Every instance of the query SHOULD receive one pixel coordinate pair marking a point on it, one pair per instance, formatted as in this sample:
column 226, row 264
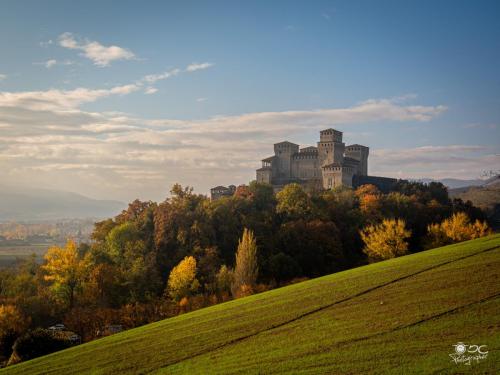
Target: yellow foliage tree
column 64, row 268
column 457, row 228
column 12, row 320
column 246, row 270
column 386, row 240
column 182, row 280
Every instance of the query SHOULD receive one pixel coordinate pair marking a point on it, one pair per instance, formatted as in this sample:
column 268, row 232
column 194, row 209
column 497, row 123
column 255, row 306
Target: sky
column 120, row 100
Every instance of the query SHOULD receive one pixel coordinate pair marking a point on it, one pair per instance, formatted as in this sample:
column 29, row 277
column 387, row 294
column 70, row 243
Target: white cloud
column 47, row 138
column 3, row 76
column 199, row 100
column 47, row 43
column 101, row 55
column 53, row 62
column 50, row 63
column 195, row 66
column 150, row 90
column 458, row 161
column 60, row 100
column 152, row 78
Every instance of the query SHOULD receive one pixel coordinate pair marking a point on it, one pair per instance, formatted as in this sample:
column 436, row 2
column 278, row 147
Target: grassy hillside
column 397, row 316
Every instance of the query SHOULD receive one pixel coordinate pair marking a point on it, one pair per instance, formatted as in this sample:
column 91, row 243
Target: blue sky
column 122, row 99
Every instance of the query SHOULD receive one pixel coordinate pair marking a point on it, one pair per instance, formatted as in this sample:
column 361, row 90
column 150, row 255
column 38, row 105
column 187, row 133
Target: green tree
column 182, row 281
column 224, row 280
column 294, row 202
column 386, row 240
column 246, row 269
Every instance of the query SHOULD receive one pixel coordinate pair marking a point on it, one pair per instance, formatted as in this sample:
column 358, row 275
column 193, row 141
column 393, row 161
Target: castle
column 328, row 165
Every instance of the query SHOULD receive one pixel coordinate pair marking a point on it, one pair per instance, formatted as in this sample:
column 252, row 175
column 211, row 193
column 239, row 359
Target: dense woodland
column 156, row 260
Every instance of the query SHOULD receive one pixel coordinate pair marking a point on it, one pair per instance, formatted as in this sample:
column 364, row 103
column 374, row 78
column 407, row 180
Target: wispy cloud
column 101, row 55
column 196, row 66
column 152, row 78
column 3, row 76
column 199, row 100
column 459, row 161
column 50, row 63
column 47, row 43
column 47, row 132
column 150, row 90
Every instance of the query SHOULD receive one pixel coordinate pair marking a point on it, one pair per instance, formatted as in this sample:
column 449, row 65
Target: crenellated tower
column 330, row 147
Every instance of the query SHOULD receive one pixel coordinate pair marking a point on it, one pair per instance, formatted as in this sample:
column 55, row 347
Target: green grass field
column 401, row 316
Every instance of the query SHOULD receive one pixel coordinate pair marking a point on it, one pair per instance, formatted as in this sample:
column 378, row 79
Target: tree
column 386, row 240
column 246, row 269
column 12, row 324
column 182, row 281
column 224, row 280
column 293, row 201
column 314, row 245
column 65, row 270
column 457, row 228
column 370, row 201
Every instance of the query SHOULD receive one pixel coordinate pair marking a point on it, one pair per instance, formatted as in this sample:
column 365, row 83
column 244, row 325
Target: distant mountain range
column 41, row 204
column 454, row 183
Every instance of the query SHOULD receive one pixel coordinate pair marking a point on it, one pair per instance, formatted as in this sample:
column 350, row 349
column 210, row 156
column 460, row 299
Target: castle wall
column 359, row 153
column 264, row 175
column 305, row 166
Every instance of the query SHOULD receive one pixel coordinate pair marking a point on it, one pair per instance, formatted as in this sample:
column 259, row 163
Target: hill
column 486, row 197
column 454, row 183
column 398, row 316
column 42, row 204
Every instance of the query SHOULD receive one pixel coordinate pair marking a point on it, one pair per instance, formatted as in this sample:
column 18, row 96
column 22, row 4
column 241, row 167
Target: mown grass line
column 346, row 299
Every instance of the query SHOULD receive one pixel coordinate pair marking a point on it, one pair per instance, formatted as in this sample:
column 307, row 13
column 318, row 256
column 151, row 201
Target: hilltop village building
column 327, row 165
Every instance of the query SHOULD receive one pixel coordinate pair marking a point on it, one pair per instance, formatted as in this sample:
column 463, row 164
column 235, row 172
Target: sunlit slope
column 397, row 316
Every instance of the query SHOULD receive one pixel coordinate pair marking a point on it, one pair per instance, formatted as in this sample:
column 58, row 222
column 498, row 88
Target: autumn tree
column 246, row 269
column 370, row 202
column 224, row 280
column 12, row 324
column 293, row 201
column 386, row 240
column 65, row 270
column 182, row 281
column 457, row 228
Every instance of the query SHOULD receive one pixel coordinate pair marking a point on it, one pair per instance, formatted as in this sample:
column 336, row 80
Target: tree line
column 156, row 260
